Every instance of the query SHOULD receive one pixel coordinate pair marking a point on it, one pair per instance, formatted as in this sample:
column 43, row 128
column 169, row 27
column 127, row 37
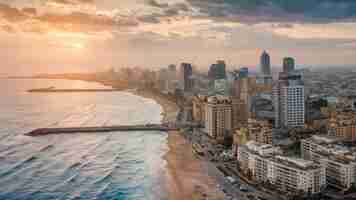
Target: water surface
column 118, row 165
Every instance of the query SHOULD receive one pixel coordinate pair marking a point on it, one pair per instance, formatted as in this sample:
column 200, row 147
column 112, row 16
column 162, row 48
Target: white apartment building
column 338, row 160
column 264, row 163
column 291, row 174
column 218, row 116
column 288, row 97
column 289, row 101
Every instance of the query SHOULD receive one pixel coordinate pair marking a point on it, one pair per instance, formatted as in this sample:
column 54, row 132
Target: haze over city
column 51, row 36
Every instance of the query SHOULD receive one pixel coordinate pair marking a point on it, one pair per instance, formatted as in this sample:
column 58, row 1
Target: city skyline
column 90, row 35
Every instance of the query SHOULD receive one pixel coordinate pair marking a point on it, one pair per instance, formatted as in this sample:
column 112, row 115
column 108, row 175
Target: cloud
column 71, row 2
column 29, row 20
column 255, row 11
column 11, row 14
column 155, row 3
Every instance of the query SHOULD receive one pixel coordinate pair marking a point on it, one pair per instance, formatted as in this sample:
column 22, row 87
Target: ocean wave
column 46, row 148
column 18, row 166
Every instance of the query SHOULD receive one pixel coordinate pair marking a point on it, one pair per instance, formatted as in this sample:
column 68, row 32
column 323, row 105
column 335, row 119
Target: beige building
column 338, row 160
column 260, row 131
column 343, row 125
column 239, row 113
column 218, row 116
column 199, row 102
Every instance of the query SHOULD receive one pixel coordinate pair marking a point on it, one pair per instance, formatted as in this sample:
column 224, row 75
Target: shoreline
column 186, row 176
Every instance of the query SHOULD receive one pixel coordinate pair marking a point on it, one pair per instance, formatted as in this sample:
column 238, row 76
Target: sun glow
column 78, row 46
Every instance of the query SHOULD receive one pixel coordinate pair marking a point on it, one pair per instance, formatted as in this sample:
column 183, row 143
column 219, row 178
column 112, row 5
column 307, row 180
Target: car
column 261, row 198
column 231, row 180
column 243, row 188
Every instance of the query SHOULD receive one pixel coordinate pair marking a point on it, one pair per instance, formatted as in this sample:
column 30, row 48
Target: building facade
column 288, row 101
column 343, row 125
column 338, row 160
column 199, row 108
column 265, row 164
column 218, row 117
column 265, row 64
column 186, row 77
column 260, row 131
column 288, row 64
column 239, row 113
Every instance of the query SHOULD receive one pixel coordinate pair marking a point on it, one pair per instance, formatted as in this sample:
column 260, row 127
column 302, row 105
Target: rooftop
column 296, row 163
column 335, row 149
column 325, row 139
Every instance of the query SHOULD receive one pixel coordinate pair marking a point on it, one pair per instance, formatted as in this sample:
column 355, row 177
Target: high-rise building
column 265, row 65
column 265, row 75
column 199, row 102
column 239, row 113
column 163, row 81
column 243, row 72
column 220, row 70
column 218, row 113
column 288, row 101
column 185, row 76
column 288, row 64
column 172, row 78
column 217, row 71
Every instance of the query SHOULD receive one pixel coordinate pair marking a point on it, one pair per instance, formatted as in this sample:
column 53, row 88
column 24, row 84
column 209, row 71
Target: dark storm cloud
column 279, row 10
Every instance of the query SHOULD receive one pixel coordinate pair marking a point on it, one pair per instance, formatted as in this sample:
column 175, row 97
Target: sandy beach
column 186, row 176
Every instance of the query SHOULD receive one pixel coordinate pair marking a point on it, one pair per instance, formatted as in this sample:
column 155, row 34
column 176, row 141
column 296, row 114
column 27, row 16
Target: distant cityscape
column 289, row 135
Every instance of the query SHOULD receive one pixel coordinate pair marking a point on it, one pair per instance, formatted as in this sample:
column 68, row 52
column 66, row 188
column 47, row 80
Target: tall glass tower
column 265, row 65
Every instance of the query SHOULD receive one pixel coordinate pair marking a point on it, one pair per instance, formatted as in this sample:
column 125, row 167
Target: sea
column 100, row 166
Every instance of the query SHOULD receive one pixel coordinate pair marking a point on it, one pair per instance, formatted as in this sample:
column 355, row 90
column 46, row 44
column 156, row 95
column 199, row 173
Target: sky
column 52, row 36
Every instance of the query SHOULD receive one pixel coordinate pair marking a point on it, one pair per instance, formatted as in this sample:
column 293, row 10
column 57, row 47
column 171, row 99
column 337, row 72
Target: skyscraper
column 220, row 70
column 288, row 64
column 172, row 78
column 265, row 76
column 288, row 100
column 185, row 76
column 217, row 71
column 243, row 72
column 265, row 65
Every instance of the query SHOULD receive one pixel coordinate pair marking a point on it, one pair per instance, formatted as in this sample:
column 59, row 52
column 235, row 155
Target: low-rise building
column 338, row 159
column 264, row 163
column 343, row 125
column 260, row 131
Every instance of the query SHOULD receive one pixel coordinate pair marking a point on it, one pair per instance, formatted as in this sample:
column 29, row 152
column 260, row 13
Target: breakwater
column 46, row 90
column 72, row 130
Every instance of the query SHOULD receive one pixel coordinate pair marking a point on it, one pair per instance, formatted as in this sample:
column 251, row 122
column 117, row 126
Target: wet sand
column 186, row 176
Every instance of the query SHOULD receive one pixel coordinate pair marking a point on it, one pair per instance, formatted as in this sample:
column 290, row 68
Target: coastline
column 186, row 176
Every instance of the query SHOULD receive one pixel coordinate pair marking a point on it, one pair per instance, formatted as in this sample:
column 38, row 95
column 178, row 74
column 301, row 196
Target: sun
column 78, row 46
